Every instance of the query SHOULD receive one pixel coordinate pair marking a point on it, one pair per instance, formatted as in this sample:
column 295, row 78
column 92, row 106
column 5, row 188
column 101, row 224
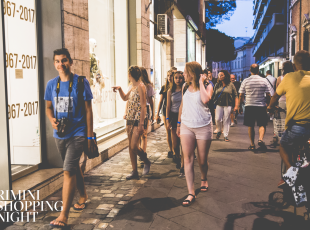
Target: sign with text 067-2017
column 22, row 80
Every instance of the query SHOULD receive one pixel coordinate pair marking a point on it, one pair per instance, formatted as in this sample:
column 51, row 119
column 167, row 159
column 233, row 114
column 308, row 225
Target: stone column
column 143, row 34
column 76, row 34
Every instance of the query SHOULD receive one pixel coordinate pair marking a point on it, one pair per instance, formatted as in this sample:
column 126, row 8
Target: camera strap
column 58, row 90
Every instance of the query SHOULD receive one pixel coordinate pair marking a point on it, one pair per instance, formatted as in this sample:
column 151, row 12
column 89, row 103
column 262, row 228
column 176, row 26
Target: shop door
column 22, row 81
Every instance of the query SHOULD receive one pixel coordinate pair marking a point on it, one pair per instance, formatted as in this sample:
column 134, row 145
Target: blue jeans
column 296, row 135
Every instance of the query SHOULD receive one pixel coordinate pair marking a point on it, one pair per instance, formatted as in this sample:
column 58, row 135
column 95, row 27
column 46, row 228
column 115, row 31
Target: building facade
column 104, row 38
column 299, row 26
column 271, row 34
column 240, row 67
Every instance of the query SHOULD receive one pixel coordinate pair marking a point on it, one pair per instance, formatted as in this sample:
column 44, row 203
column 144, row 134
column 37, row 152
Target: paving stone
column 83, row 227
column 102, row 225
column 105, row 206
column 101, row 211
column 91, row 221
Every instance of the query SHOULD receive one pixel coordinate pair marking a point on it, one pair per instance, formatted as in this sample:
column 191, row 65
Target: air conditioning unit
column 163, row 26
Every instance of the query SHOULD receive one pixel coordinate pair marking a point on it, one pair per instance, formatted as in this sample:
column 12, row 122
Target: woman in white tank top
column 195, row 126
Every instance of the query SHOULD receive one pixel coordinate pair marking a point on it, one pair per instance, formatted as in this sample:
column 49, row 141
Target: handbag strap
column 220, row 94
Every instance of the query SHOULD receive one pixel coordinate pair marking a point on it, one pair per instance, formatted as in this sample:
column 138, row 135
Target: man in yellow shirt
column 296, row 87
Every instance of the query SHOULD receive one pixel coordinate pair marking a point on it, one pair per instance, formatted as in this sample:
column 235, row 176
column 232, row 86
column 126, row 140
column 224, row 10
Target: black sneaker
column 170, row 154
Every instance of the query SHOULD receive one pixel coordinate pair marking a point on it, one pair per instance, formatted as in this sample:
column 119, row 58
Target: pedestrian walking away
column 224, row 97
column 234, row 114
column 70, row 114
column 174, row 98
column 195, row 127
column 149, row 106
column 162, row 106
column 255, row 88
column 135, row 119
column 296, row 87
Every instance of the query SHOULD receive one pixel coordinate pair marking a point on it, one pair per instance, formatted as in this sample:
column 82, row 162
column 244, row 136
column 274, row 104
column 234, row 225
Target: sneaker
column 133, row 175
column 215, row 131
column 146, row 169
column 170, row 154
column 232, row 125
column 281, row 183
column 235, row 120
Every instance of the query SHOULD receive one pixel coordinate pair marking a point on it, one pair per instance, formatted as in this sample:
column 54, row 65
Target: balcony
column 259, row 9
column 277, row 21
column 263, row 20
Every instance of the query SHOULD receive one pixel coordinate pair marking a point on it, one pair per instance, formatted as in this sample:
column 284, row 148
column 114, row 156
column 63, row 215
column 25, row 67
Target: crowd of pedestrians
column 190, row 102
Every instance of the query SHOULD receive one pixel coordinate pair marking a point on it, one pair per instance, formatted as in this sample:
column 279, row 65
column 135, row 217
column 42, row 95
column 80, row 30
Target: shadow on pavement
column 150, row 206
column 265, row 213
column 241, row 150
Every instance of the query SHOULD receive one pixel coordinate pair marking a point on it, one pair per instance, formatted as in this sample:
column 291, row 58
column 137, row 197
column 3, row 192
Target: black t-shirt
column 237, row 85
column 163, row 111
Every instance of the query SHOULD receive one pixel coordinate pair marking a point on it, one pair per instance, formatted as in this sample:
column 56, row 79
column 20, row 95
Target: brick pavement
column 240, row 186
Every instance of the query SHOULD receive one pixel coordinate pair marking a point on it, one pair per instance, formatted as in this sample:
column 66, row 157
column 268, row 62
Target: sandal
column 218, row 135
column 189, row 202
column 59, row 226
column 204, row 188
column 79, row 209
column 251, row 147
column 226, row 139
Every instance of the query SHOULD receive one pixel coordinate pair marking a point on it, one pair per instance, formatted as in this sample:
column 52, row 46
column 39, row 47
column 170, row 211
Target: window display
column 106, row 65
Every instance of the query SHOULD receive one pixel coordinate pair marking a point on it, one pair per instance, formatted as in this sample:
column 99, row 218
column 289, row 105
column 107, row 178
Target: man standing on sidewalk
column 72, row 120
column 233, row 115
column 255, row 88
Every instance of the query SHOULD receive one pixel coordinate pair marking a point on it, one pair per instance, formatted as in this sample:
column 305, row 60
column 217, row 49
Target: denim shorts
column 295, row 136
column 71, row 150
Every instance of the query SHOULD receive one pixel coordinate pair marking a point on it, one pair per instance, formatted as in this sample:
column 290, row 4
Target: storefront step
column 47, row 181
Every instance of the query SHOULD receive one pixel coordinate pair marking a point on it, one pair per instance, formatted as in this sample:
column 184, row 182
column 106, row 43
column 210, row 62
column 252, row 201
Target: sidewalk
column 240, row 185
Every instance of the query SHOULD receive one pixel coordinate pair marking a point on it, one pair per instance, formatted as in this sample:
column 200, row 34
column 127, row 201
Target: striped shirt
column 254, row 88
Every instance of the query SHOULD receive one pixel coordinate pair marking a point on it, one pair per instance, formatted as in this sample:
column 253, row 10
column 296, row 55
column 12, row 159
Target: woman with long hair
column 224, row 96
column 174, row 98
column 149, row 105
column 135, row 116
column 163, row 104
column 195, row 127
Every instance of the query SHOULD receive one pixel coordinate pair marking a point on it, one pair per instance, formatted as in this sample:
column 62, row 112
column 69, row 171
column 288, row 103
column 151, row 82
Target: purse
column 95, row 152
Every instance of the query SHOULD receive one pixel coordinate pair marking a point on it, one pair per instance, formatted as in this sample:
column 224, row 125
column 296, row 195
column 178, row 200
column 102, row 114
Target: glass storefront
column 22, row 82
column 106, row 22
column 191, row 43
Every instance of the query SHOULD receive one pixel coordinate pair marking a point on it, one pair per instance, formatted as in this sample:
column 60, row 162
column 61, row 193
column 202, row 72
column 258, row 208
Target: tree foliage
column 219, row 46
column 217, row 11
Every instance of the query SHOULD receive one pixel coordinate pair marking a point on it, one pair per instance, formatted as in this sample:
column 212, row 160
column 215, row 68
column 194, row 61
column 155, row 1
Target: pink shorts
column 201, row 133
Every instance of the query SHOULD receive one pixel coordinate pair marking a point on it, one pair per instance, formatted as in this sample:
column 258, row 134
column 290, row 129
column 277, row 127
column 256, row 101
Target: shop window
column 108, row 62
column 22, row 83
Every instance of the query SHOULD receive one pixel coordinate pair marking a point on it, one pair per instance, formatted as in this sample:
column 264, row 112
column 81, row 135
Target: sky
column 242, row 17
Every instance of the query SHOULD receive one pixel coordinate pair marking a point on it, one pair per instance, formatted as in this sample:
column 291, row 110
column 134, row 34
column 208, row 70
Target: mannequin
column 96, row 82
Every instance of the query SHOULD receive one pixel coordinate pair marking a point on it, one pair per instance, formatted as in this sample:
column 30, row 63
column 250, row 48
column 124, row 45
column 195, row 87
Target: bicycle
column 299, row 156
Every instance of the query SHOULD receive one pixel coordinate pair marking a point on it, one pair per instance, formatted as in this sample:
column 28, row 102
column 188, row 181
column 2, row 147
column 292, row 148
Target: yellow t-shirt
column 296, row 86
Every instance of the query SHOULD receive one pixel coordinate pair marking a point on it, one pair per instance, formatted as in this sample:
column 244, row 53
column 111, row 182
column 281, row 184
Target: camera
column 62, row 126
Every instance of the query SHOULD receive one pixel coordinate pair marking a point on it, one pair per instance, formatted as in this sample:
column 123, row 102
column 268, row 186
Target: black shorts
column 255, row 113
column 136, row 123
column 173, row 119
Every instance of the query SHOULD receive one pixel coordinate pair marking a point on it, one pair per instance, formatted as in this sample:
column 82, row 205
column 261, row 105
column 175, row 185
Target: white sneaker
column 232, row 125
